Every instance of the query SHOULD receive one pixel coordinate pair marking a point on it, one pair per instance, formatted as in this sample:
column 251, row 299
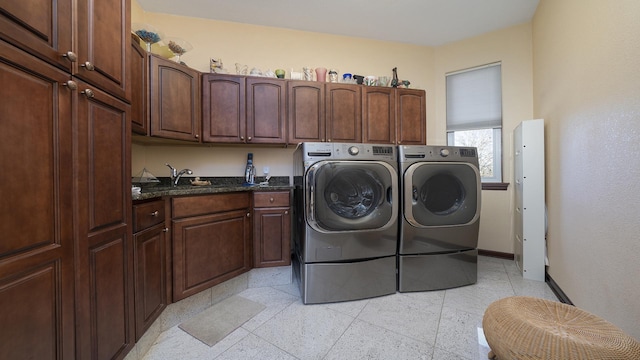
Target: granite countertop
column 218, row 185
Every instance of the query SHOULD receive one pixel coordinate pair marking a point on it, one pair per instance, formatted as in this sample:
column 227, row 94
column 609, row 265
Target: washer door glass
column 351, row 195
column 441, row 194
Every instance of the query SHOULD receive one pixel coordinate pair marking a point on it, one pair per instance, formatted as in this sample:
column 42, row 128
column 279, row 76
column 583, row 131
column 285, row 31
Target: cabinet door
column 41, row 27
column 266, row 119
column 223, row 108
column 306, row 111
column 174, row 100
column 343, row 113
column 102, row 176
column 271, row 237
column 150, row 271
column 103, row 48
column 411, row 117
column 208, row 250
column 139, row 65
column 378, row 115
column 36, row 250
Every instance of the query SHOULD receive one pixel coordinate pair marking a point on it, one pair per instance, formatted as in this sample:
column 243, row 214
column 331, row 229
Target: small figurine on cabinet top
column 394, row 81
column 216, row 66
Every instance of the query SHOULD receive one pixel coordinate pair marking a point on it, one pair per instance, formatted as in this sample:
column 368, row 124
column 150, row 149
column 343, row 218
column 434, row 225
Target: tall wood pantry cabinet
column 65, row 251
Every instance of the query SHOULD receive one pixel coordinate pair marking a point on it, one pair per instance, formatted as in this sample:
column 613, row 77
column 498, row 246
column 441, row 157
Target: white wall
column 587, row 88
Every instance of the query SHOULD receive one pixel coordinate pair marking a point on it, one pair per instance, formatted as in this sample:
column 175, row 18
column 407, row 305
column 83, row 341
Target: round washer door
column 441, row 194
column 351, row 196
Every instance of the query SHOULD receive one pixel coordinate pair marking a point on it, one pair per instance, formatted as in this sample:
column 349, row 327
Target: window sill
column 495, row 186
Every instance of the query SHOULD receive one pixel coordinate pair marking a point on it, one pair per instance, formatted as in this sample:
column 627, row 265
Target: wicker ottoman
column 529, row 328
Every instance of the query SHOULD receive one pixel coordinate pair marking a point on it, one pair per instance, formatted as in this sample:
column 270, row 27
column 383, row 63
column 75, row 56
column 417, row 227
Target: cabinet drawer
column 208, row 204
column 270, row 199
column 148, row 214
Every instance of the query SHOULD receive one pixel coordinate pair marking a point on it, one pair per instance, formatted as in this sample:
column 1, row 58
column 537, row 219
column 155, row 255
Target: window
column 474, row 116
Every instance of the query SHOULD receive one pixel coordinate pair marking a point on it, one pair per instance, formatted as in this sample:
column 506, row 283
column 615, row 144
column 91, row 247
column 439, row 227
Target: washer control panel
column 353, row 150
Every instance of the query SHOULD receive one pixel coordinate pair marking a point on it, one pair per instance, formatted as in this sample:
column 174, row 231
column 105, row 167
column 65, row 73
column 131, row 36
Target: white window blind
column 474, row 98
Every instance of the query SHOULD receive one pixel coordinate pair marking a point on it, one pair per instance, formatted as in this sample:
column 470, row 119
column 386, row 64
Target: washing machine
column 346, row 221
column 440, row 217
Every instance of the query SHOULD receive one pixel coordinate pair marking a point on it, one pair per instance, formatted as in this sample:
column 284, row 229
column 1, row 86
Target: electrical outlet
column 265, row 170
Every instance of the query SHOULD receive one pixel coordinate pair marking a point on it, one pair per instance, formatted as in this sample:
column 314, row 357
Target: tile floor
column 442, row 325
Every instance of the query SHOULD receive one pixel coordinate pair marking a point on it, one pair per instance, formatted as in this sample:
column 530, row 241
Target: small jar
column 333, row 76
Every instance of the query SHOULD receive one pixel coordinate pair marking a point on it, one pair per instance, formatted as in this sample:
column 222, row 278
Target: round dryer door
column 441, row 194
column 351, row 195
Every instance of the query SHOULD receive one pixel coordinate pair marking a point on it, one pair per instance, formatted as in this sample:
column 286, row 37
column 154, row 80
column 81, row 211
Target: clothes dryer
column 346, row 211
column 440, row 195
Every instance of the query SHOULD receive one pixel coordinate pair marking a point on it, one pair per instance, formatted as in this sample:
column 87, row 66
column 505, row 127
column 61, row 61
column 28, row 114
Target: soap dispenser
column 250, row 171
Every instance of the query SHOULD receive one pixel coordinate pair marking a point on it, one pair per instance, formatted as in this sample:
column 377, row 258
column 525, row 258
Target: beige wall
column 512, row 47
column 271, row 48
column 425, row 67
column 587, row 88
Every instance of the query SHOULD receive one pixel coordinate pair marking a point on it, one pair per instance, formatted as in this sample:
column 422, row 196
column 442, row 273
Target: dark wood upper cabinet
column 378, row 115
column 243, row 110
column 324, row 112
column 41, row 27
column 175, row 107
column 139, row 66
column 343, row 114
column 94, row 47
column 266, row 111
column 411, row 117
column 305, row 111
column 103, row 32
column 223, row 108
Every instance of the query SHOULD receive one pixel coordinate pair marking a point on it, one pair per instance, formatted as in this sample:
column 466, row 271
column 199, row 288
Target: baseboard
column 557, row 290
column 496, row 254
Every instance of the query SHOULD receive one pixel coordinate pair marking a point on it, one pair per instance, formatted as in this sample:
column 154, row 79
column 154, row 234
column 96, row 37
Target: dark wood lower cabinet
column 211, row 236
column 150, row 272
column 149, row 261
column 271, row 229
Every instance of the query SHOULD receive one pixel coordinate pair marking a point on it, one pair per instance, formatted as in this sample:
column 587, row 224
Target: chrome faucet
column 175, row 174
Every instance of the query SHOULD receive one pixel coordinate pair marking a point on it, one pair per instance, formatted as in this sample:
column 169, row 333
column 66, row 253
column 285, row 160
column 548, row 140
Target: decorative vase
column 308, row 73
column 178, row 47
column 147, row 33
column 321, row 74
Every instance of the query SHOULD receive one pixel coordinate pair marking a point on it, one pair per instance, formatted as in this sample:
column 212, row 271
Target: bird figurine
column 394, row 81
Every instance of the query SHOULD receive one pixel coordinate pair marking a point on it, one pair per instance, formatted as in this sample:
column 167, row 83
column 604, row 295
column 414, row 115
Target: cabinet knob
column 241, row 137
column 270, row 199
column 89, row 66
column 249, row 138
column 71, row 56
column 70, row 84
column 155, row 213
column 165, row 230
column 286, row 212
column 248, row 214
column 197, row 136
column 88, row 93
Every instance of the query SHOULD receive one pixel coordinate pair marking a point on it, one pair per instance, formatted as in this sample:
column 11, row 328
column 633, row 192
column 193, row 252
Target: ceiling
column 419, row 22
